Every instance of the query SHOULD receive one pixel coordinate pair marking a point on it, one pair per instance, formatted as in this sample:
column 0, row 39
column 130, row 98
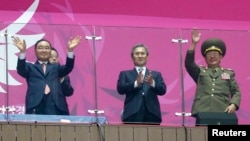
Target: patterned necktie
column 47, row 89
column 140, row 72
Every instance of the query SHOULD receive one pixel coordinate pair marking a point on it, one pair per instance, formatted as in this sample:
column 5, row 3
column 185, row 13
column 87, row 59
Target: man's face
column 140, row 56
column 43, row 50
column 213, row 58
column 53, row 57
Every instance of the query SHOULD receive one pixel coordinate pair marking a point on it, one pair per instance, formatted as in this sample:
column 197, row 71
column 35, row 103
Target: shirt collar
column 41, row 62
column 137, row 68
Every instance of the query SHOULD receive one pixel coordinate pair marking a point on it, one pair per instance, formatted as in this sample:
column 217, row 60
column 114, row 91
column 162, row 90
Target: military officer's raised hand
column 196, row 35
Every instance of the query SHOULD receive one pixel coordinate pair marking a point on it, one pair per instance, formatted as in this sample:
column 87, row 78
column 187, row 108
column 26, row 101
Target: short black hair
column 52, row 48
column 37, row 42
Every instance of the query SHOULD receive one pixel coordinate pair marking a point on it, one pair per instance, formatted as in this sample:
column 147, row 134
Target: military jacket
column 216, row 88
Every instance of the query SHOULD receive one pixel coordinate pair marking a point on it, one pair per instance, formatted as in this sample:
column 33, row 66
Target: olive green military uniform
column 216, row 88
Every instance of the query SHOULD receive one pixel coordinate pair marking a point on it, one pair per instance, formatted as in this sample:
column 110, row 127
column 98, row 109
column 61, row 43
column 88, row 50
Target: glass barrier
column 103, row 53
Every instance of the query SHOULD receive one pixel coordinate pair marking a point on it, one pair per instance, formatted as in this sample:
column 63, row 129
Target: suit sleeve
column 21, row 68
column 67, row 68
column 160, row 86
column 124, row 84
column 67, row 88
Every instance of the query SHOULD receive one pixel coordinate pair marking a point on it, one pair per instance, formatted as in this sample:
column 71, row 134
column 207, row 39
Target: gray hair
column 139, row 45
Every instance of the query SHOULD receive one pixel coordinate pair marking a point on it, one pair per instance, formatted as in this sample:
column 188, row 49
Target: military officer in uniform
column 217, row 90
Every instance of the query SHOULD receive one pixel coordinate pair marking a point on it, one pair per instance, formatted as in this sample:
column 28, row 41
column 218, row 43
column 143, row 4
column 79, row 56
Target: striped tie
column 140, row 72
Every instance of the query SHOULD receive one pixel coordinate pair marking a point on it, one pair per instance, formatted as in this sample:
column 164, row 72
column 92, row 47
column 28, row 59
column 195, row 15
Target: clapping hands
column 149, row 78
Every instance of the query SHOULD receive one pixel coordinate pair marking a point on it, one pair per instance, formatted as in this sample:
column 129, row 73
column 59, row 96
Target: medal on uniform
column 225, row 76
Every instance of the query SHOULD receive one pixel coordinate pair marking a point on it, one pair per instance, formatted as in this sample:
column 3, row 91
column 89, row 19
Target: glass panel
column 99, row 62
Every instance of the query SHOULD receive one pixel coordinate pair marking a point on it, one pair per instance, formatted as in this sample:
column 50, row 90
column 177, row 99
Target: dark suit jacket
column 36, row 81
column 67, row 88
column 133, row 100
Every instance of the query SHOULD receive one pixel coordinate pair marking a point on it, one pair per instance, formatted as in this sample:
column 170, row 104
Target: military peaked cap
column 214, row 44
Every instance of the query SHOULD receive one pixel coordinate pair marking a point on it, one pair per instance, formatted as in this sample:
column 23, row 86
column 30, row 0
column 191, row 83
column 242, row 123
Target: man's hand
column 231, row 108
column 195, row 36
column 149, row 78
column 20, row 44
column 73, row 42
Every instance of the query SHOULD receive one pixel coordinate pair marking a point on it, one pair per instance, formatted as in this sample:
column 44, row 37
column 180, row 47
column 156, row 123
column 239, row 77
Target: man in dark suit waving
column 67, row 88
column 142, row 88
column 44, row 94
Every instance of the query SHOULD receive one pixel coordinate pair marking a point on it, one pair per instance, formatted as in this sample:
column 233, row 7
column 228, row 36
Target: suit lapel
column 39, row 67
column 134, row 73
column 49, row 67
